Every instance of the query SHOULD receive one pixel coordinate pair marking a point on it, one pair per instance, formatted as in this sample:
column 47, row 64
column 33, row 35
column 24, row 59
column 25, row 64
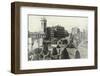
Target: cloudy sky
column 34, row 22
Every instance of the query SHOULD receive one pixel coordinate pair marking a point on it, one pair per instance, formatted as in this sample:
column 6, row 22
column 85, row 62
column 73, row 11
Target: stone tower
column 43, row 24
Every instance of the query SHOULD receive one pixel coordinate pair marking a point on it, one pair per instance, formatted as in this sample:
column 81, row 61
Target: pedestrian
column 77, row 54
column 65, row 54
column 54, row 53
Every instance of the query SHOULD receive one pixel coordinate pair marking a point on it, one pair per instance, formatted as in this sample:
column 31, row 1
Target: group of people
column 46, row 54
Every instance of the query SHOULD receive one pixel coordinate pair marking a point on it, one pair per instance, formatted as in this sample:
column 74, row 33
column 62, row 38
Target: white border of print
column 25, row 64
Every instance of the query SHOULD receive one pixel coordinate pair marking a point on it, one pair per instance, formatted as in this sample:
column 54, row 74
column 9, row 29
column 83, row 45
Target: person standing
column 77, row 54
column 65, row 54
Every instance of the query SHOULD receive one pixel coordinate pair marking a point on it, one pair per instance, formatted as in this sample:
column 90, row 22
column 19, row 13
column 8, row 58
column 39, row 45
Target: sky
column 67, row 22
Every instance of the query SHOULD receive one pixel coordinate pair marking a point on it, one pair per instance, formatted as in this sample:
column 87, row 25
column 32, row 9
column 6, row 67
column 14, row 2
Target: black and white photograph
column 52, row 37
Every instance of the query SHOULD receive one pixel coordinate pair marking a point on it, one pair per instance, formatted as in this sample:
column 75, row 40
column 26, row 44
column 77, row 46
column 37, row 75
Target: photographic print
column 52, row 37
column 57, row 37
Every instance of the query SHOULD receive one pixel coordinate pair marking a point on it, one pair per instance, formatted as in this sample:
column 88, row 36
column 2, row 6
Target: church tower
column 43, row 24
